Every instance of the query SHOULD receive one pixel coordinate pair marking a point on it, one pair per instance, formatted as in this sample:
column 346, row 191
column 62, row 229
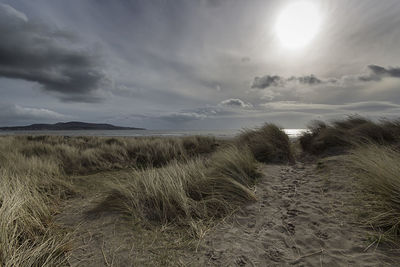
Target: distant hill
column 64, row 126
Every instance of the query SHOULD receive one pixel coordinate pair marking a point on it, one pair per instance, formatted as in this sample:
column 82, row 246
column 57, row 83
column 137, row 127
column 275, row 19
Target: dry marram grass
column 170, row 182
column 378, row 171
column 345, row 134
column 185, row 192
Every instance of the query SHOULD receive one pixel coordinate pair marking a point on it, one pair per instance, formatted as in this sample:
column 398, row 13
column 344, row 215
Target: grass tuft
column 378, row 171
column 29, row 187
column 185, row 192
column 269, row 144
column 341, row 135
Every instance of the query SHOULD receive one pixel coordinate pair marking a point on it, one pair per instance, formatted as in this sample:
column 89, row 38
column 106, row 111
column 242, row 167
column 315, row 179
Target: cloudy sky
column 200, row 64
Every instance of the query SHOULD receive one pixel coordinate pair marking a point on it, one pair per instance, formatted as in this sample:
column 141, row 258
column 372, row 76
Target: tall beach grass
column 341, row 135
column 82, row 155
column 29, row 187
column 184, row 181
column 377, row 169
column 184, row 192
column 269, row 144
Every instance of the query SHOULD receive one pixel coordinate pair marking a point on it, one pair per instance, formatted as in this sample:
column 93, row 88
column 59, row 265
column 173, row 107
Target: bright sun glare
column 298, row 24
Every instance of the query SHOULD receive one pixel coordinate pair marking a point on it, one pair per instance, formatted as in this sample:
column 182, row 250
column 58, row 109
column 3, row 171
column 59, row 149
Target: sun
column 298, row 24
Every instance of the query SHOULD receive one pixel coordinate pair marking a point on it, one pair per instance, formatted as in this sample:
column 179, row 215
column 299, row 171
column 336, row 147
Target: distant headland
column 68, row 126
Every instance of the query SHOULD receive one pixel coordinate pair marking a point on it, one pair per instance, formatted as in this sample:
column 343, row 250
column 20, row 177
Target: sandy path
column 302, row 218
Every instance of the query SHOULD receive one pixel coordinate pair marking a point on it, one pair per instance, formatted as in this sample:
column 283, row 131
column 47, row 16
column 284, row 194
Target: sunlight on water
column 293, row 133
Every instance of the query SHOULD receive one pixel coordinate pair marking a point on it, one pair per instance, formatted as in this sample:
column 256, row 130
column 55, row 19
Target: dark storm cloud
column 35, row 52
column 376, row 73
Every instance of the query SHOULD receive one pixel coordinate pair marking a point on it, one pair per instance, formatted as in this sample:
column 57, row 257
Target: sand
column 303, row 217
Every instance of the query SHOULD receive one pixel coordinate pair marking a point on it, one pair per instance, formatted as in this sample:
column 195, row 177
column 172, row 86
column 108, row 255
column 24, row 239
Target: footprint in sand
column 241, row 260
column 274, row 255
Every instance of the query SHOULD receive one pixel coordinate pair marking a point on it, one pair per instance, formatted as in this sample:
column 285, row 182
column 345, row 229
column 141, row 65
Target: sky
column 199, row 64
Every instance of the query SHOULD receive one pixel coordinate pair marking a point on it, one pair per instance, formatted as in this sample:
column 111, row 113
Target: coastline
column 224, row 134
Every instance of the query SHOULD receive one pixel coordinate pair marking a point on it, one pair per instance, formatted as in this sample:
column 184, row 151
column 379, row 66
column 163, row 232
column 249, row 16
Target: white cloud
column 235, row 102
column 11, row 114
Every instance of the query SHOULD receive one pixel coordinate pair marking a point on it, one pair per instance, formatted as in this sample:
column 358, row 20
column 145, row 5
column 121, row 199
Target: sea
column 292, row 133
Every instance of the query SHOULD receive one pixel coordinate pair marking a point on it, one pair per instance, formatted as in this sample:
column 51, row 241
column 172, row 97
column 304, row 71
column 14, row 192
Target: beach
column 258, row 199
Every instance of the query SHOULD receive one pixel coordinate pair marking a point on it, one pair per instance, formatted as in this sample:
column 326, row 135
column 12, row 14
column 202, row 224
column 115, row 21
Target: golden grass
column 238, row 164
column 28, row 189
column 181, row 182
column 186, row 189
column 182, row 193
column 378, row 171
column 82, row 155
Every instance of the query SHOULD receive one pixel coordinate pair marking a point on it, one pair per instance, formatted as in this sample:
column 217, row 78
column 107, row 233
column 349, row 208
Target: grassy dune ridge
column 372, row 156
column 34, row 179
column 82, row 155
column 341, row 135
column 184, row 181
column 183, row 192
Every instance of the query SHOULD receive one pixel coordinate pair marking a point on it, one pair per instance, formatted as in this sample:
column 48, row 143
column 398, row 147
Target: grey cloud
column 276, row 81
column 11, row 114
column 372, row 106
column 187, row 115
column 174, row 118
column 287, row 110
column 183, row 116
column 368, row 106
column 35, row 52
column 376, row 73
column 197, row 114
column 174, row 55
column 267, row 81
column 361, row 87
column 310, row 79
column 234, row 102
column 290, row 114
column 213, row 3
